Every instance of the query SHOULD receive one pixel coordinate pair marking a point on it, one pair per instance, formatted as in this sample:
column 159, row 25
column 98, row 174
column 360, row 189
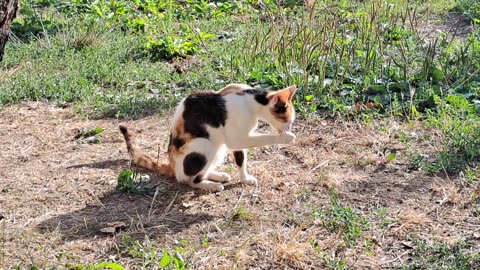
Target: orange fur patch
column 139, row 158
column 178, row 132
column 233, row 88
column 284, row 99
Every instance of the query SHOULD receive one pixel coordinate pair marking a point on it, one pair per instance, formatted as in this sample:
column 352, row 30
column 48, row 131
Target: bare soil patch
column 56, row 194
column 453, row 23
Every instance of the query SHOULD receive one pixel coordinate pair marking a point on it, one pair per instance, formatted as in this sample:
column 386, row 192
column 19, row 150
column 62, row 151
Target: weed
column 168, row 46
column 89, row 136
column 470, row 175
column 439, row 255
column 127, row 183
column 368, row 246
column 243, row 215
column 382, row 215
column 205, row 242
column 458, row 124
column 150, row 256
column 470, row 8
column 334, row 263
column 343, row 219
column 92, row 132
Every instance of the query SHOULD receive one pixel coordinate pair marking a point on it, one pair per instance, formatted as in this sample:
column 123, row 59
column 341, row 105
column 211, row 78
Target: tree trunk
column 8, row 11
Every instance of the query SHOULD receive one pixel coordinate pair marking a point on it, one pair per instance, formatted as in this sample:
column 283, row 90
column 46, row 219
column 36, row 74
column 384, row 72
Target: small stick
column 168, row 207
column 151, row 204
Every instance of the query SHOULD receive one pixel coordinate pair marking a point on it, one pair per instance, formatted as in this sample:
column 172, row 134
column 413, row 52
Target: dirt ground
column 56, row 193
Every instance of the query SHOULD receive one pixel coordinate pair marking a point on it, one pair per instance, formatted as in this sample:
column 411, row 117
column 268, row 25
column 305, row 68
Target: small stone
column 91, row 140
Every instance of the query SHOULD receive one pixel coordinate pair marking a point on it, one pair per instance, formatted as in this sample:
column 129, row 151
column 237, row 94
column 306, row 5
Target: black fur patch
column 123, row 129
column 260, row 95
column 279, row 107
column 239, row 157
column 204, row 108
column 178, row 142
column 193, row 163
column 198, row 179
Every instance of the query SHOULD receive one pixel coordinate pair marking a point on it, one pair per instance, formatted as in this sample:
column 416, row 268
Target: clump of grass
column 149, row 256
column 332, row 262
column 470, row 8
column 127, row 183
column 342, row 219
column 439, row 255
column 471, row 175
column 458, row 124
column 244, row 215
column 290, row 250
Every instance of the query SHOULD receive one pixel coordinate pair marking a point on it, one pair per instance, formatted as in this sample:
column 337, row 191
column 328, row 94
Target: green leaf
column 179, row 261
column 392, row 155
column 308, row 98
column 94, row 131
column 114, row 266
column 166, row 259
column 206, row 35
column 435, row 74
column 125, row 181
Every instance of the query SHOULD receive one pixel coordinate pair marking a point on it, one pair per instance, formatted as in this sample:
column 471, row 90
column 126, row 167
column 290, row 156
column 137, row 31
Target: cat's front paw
column 249, row 180
column 214, row 187
column 287, row 137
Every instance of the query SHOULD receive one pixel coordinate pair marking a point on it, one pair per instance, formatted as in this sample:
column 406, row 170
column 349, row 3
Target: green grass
column 459, row 124
column 111, row 58
column 439, row 255
column 143, row 254
column 147, row 255
column 342, row 219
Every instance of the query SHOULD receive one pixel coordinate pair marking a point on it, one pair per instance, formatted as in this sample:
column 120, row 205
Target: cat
column 207, row 124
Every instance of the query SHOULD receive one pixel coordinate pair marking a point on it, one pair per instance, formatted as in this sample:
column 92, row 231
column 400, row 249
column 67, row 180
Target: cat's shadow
column 163, row 210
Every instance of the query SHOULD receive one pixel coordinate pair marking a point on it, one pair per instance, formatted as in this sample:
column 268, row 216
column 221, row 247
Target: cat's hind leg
column 200, row 182
column 241, row 161
column 195, row 167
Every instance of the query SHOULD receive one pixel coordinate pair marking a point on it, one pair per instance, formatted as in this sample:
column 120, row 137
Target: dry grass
column 57, row 194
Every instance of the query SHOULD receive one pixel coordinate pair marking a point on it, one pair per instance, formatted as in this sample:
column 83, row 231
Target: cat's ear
column 284, row 95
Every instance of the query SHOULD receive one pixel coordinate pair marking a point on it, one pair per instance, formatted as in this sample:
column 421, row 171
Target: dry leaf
column 110, row 230
column 117, row 224
column 408, row 244
column 113, row 227
column 188, row 204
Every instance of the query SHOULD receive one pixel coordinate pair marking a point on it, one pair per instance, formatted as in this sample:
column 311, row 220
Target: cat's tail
column 139, row 158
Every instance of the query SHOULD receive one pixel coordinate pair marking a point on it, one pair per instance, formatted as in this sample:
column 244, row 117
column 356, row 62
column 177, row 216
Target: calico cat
column 207, row 124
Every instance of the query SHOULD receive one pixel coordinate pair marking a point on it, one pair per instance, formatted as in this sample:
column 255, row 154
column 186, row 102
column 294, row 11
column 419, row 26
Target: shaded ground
column 57, row 193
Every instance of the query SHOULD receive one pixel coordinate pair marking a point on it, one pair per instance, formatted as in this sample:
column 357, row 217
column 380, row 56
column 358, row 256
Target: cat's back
column 198, row 110
column 208, row 108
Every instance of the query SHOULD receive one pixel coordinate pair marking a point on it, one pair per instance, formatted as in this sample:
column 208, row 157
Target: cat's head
column 280, row 112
